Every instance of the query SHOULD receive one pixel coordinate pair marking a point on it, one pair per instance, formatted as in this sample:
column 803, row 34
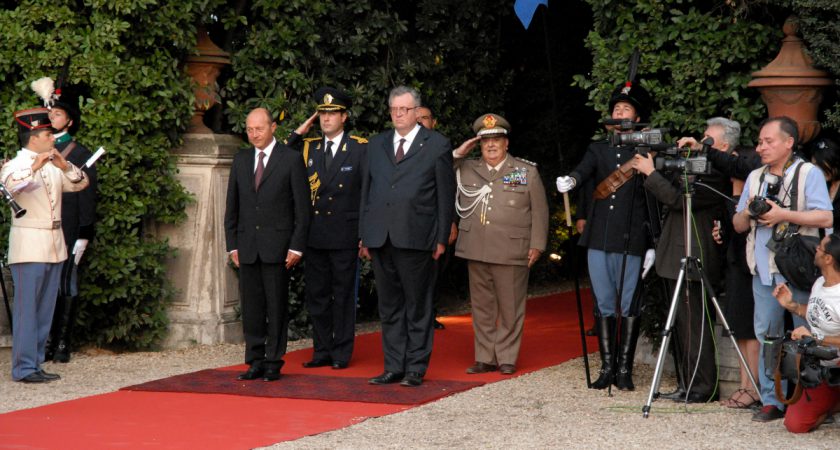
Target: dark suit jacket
column 268, row 222
column 78, row 209
column 335, row 193
column 412, row 202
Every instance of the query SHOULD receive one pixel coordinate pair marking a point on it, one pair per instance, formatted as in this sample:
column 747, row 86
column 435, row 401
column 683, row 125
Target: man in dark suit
column 78, row 214
column 334, row 165
column 408, row 192
column 266, row 221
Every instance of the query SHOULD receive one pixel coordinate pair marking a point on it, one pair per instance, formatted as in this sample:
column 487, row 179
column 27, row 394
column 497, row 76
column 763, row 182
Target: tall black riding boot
column 606, row 344
column 62, row 347
column 55, row 328
column 629, row 336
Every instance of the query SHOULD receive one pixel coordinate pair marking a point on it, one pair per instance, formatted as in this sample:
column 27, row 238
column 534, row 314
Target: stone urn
column 791, row 86
column 204, row 67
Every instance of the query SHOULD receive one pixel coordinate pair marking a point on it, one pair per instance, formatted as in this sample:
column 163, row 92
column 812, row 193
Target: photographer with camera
column 615, row 237
column 823, row 315
column 766, row 210
column 694, row 316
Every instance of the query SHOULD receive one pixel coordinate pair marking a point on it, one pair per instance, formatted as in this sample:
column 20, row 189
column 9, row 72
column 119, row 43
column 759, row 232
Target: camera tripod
column 692, row 263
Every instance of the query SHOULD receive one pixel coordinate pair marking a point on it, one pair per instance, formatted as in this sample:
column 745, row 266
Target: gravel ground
column 545, row 409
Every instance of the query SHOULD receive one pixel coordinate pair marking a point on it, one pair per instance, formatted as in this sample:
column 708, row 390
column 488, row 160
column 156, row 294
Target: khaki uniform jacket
column 37, row 236
column 516, row 215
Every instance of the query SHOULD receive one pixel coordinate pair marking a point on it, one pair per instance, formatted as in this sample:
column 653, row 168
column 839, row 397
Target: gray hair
column 731, row 130
column 402, row 90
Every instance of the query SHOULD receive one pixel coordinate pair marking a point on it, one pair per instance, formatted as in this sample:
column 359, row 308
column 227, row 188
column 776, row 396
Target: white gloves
column 650, row 258
column 565, row 184
column 79, row 249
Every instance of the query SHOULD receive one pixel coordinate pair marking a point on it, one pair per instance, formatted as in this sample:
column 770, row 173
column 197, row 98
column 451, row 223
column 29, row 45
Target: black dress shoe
column 34, row 377
column 271, row 375
column 251, row 374
column 438, row 325
column 412, row 379
column 338, row 365
column 386, row 378
column 317, row 363
column 701, row 397
column 677, row 396
column 50, row 376
column 507, row 369
column 480, row 367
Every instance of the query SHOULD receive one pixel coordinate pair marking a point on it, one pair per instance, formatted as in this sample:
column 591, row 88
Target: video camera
column 810, row 371
column 669, row 158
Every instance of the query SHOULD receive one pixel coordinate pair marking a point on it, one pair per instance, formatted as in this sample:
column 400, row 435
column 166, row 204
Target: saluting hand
column 305, row 126
column 465, row 148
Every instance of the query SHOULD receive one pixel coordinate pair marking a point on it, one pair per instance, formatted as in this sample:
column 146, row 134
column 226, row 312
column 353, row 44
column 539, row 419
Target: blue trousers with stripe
column 36, row 288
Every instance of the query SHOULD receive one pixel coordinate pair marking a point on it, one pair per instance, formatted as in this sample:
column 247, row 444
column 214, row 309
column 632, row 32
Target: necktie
column 492, row 172
column 328, row 156
column 260, row 168
column 400, row 151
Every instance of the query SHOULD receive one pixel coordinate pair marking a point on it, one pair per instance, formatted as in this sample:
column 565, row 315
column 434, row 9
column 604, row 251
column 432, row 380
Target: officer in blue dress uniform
column 334, row 165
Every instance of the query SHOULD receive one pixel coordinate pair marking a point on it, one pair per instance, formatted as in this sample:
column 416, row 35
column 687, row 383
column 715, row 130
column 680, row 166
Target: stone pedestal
column 206, row 307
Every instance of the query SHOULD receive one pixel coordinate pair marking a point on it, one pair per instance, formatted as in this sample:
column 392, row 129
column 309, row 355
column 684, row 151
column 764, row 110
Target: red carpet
column 133, row 419
column 312, row 387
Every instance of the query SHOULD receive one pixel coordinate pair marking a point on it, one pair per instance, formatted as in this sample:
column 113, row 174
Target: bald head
column 260, row 128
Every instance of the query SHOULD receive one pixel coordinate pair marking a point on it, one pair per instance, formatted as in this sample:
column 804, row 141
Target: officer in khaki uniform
column 503, row 231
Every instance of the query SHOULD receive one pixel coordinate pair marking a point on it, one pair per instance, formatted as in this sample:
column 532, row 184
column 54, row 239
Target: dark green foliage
column 127, row 54
column 696, row 59
column 284, row 50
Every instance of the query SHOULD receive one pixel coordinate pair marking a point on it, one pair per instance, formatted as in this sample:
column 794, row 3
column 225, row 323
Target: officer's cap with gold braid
column 331, row 99
column 33, row 119
column 489, row 125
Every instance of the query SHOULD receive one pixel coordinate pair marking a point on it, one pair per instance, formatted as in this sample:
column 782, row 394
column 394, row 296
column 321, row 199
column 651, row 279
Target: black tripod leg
column 576, row 258
column 708, row 284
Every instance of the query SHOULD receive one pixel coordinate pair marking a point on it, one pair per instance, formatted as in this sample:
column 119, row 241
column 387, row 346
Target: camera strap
column 777, row 380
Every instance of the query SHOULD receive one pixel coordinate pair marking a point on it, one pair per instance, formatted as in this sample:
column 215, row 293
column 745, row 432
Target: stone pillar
column 206, row 307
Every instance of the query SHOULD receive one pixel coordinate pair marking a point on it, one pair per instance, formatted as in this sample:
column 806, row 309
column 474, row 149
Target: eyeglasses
column 400, row 110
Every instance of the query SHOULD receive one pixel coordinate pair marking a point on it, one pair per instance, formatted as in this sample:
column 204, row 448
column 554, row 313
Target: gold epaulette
column 311, row 139
column 359, row 139
column 525, row 161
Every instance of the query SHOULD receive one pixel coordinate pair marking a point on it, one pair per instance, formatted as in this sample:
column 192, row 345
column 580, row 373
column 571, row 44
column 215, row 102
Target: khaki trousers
column 497, row 296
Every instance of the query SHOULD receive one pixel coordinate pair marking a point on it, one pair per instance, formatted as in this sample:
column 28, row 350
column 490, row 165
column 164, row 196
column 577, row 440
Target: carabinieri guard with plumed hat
column 36, row 177
column 78, row 212
column 615, row 235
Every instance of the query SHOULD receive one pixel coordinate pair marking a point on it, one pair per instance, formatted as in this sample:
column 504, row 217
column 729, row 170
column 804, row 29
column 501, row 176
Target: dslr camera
column 758, row 205
column 810, row 371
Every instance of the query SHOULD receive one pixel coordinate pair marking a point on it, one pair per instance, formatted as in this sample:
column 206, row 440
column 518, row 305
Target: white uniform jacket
column 37, row 236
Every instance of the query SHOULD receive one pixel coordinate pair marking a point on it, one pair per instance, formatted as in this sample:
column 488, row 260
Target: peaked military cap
column 491, row 125
column 33, row 119
column 331, row 99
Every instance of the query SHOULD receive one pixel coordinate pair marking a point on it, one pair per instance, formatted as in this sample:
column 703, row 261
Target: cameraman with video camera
column 823, row 315
column 768, row 194
column 694, row 317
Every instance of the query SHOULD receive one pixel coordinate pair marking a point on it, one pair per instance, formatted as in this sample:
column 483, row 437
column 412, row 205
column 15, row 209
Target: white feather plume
column 44, row 87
